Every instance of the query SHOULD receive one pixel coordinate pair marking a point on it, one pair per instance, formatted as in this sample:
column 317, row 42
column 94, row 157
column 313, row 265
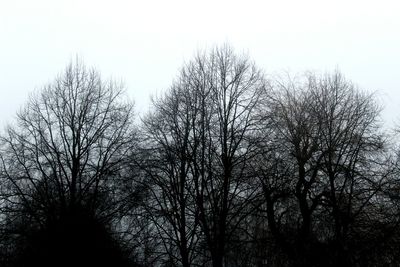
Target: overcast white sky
column 146, row 42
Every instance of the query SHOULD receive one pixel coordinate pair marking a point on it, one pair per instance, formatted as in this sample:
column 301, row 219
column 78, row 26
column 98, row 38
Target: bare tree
column 166, row 158
column 232, row 88
column 200, row 136
column 326, row 145
column 65, row 153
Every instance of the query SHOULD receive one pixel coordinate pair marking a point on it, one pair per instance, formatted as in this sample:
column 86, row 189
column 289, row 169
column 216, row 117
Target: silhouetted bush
column 76, row 238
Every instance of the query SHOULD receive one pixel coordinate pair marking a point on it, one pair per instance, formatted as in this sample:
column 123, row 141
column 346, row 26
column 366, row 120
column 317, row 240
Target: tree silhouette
column 200, row 133
column 226, row 169
column 328, row 156
column 61, row 163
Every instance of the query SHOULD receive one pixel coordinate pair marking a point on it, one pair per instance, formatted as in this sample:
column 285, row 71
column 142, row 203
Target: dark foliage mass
column 229, row 168
column 74, row 239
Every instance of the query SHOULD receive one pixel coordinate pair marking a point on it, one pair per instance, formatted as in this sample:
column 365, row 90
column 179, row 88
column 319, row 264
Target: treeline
column 228, row 168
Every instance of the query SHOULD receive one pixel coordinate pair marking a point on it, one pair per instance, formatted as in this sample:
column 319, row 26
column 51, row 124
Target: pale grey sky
column 144, row 43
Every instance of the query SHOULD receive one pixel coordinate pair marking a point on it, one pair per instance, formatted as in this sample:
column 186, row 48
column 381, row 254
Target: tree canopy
column 230, row 167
